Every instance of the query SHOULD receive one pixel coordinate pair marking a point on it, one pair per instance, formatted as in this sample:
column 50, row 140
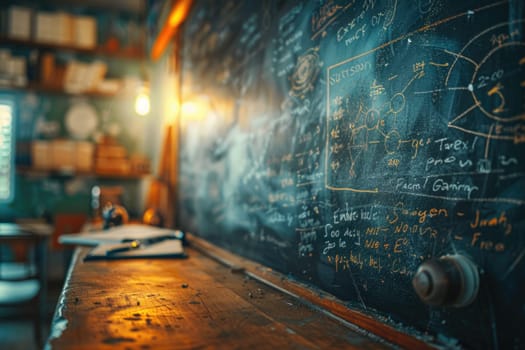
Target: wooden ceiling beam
column 178, row 13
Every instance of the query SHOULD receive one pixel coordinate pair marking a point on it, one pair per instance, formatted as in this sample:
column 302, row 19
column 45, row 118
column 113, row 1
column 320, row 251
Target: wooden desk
column 187, row 304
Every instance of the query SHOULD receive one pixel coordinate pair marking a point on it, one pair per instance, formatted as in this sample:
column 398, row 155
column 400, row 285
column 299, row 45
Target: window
column 6, row 151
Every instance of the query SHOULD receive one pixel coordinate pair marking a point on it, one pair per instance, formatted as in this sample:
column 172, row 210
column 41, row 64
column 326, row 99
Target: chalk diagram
column 365, row 124
column 371, row 105
column 377, row 125
column 305, row 73
column 497, row 94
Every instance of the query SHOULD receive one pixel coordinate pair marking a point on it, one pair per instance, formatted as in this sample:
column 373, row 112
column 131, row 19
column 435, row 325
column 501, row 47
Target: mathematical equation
column 386, row 126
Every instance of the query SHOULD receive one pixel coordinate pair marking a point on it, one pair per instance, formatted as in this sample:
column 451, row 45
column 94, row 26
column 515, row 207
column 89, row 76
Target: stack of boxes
column 60, row 28
column 12, row 69
column 77, row 31
column 107, row 157
column 111, row 158
column 19, row 23
column 62, row 155
column 85, row 32
column 55, row 28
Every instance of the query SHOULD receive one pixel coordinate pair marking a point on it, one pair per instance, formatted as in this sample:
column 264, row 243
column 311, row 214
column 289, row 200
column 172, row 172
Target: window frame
column 7, row 101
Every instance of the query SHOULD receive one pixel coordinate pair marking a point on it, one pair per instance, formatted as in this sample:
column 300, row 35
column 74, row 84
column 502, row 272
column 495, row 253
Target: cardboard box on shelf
column 112, row 166
column 54, row 28
column 84, row 155
column 85, row 32
column 75, row 77
column 19, row 22
column 44, row 27
column 47, row 68
column 109, row 86
column 111, row 158
column 63, row 154
column 139, row 164
column 41, row 155
column 95, row 74
column 64, row 28
column 111, row 151
column 17, row 71
column 83, row 77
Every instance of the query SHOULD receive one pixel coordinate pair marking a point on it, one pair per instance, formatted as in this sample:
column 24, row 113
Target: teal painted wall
column 41, row 116
column 37, row 195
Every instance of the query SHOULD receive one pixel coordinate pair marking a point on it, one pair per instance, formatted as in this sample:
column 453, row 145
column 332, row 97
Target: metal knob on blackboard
column 451, row 280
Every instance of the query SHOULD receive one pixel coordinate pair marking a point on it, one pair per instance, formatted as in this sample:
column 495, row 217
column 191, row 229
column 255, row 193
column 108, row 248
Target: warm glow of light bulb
column 173, row 112
column 195, row 109
column 142, row 103
column 174, row 106
column 189, row 108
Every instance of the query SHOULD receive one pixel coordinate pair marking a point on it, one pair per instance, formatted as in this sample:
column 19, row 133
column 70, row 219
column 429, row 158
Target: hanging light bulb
column 142, row 101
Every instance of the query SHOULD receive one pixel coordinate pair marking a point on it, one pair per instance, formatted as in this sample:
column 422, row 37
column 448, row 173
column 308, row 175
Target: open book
column 129, row 241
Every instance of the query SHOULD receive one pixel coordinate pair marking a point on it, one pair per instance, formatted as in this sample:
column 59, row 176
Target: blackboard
column 344, row 143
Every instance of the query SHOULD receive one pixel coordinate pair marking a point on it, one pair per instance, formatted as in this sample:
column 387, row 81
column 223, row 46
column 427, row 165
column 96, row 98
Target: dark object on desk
column 153, row 217
column 174, row 234
column 164, row 249
column 123, row 247
column 114, row 215
column 132, row 244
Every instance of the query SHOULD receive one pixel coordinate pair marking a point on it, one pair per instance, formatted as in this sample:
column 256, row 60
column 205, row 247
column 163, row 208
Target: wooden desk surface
column 189, row 303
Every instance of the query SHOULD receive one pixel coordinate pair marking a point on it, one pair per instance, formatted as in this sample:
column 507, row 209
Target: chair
column 64, row 223
column 23, row 280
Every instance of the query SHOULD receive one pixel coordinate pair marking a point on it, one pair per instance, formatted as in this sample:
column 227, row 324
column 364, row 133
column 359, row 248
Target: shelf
column 32, row 172
column 99, row 51
column 59, row 72
column 57, row 90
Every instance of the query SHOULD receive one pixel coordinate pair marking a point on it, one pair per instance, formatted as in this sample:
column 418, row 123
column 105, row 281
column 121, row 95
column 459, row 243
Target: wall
column 35, row 195
column 348, row 143
column 41, row 115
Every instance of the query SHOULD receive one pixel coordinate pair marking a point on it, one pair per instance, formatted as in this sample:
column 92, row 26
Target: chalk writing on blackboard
column 349, row 142
column 366, row 122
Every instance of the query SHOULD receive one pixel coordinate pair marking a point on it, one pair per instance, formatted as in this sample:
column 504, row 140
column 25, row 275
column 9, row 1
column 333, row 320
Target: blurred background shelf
column 58, row 90
column 130, row 54
column 35, row 172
